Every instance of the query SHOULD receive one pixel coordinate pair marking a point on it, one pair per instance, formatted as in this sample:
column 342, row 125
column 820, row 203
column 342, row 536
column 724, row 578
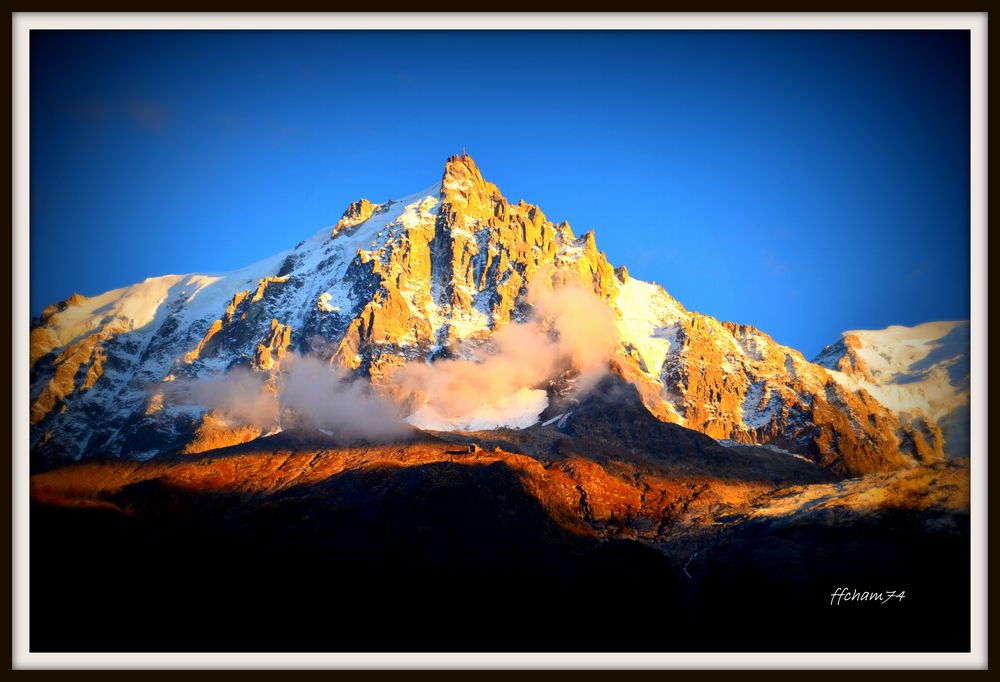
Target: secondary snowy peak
column 899, row 354
column 916, row 372
column 357, row 213
column 425, row 278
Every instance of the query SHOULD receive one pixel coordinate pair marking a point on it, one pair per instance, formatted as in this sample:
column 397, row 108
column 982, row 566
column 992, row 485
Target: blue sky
column 803, row 182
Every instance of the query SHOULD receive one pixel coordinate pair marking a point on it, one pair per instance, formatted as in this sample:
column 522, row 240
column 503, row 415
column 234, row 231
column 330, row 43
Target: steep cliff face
column 418, row 280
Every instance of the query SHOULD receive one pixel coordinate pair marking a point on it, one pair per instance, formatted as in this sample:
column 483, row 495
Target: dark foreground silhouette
column 448, row 557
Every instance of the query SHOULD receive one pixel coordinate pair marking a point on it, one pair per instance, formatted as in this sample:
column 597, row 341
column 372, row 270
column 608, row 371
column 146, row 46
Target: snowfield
column 518, row 411
column 649, row 322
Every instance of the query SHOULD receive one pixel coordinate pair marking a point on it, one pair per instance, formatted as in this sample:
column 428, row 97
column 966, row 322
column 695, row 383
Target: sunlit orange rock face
column 238, row 321
column 273, row 347
column 581, row 495
column 468, row 262
column 75, row 369
column 616, row 498
column 851, row 363
column 357, row 213
column 216, row 432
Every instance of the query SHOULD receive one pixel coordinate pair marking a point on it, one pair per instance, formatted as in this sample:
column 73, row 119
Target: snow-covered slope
column 921, row 370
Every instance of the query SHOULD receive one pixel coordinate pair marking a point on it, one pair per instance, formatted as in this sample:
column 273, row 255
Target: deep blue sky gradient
column 803, row 182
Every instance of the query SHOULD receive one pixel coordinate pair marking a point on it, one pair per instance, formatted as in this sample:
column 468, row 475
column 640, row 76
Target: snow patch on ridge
column 760, row 405
column 323, row 303
column 649, row 322
column 518, row 411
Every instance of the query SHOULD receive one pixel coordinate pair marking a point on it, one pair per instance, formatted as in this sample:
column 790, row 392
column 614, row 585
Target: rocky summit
column 436, row 277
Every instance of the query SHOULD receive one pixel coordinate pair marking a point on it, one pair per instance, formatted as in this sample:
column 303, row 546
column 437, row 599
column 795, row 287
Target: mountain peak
column 403, row 283
column 463, row 186
column 462, row 160
column 74, row 299
column 461, row 173
column 357, row 213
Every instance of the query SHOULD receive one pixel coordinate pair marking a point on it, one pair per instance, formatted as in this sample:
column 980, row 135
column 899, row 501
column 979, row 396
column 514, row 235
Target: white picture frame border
column 23, row 23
